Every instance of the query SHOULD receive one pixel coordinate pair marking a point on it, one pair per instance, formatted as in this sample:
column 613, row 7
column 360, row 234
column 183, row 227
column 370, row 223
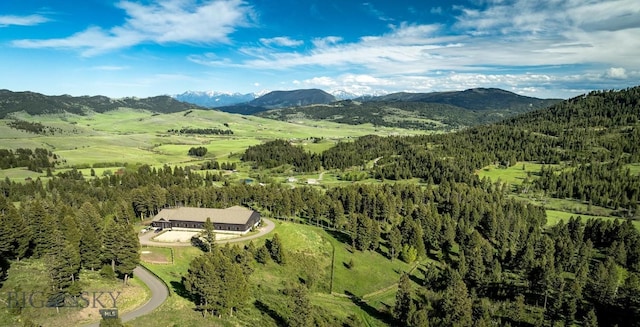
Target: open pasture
column 142, row 137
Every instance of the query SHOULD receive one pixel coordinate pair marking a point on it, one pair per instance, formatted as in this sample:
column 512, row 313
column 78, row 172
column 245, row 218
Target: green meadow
column 513, row 175
column 314, row 256
column 555, row 216
column 557, row 209
column 142, row 137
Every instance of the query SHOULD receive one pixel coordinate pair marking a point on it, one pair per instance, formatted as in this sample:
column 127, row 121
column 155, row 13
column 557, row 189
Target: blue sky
column 544, row 48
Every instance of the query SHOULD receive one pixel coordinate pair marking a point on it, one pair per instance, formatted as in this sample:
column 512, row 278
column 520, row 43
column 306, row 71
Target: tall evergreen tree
column 209, row 234
column 277, row 251
column 404, row 306
column 121, row 247
column 456, row 304
column 90, row 236
column 301, row 309
column 395, row 243
column 44, row 227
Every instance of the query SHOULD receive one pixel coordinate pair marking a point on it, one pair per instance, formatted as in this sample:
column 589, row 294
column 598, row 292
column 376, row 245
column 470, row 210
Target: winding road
column 158, row 288
column 159, row 294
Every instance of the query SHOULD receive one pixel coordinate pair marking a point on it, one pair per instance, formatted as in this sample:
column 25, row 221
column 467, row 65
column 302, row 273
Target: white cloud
column 163, row 21
column 531, row 84
column 30, row 20
column 326, row 41
column 509, row 39
column 616, row 72
column 322, row 81
column 283, row 41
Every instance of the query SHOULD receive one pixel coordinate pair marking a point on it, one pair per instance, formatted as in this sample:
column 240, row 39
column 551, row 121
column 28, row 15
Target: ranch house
column 233, row 220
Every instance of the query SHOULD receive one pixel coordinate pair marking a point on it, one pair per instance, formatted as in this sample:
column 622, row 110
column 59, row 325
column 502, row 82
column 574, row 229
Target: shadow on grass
column 417, row 280
column 179, row 289
column 280, row 321
column 371, row 311
column 340, row 236
column 4, row 265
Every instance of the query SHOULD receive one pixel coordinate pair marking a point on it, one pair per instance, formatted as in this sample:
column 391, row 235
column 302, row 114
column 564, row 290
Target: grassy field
column 634, row 168
column 31, row 276
column 137, row 136
column 557, row 209
column 156, row 255
column 310, row 253
column 555, row 216
column 513, row 175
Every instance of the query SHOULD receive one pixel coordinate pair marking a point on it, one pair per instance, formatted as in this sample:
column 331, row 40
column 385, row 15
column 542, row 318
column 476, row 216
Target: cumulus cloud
column 30, row 20
column 616, row 72
column 162, row 21
column 572, row 41
column 283, row 41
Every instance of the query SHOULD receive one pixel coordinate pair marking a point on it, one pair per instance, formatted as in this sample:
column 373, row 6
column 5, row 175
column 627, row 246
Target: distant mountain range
column 434, row 111
column 215, row 99
column 212, row 99
column 36, row 103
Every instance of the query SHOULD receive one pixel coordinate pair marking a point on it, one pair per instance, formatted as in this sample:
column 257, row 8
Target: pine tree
column 418, row 318
column 276, row 250
column 44, row 227
column 301, row 309
column 217, row 283
column 121, row 247
column 590, row 320
column 15, row 235
column 262, row 255
column 200, row 282
column 395, row 243
column 90, row 236
column 456, row 303
column 404, row 300
column 209, row 235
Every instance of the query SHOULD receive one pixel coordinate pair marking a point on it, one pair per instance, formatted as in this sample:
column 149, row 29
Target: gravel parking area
column 175, row 236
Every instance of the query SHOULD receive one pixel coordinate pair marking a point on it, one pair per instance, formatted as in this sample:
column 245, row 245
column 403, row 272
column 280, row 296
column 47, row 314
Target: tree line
column 34, row 160
column 203, row 131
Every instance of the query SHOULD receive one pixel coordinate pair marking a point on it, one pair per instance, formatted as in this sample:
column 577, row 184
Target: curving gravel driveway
column 159, row 291
column 159, row 294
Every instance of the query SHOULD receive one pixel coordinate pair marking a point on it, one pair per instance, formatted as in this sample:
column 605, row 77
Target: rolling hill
column 280, row 99
column 473, row 99
column 441, row 111
column 36, row 103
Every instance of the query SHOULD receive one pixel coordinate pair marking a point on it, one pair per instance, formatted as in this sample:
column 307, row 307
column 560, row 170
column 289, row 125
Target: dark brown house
column 236, row 219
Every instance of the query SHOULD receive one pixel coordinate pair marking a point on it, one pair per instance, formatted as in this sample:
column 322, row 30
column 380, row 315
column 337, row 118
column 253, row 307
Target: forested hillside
column 473, row 99
column 36, row 103
column 481, row 254
column 442, row 111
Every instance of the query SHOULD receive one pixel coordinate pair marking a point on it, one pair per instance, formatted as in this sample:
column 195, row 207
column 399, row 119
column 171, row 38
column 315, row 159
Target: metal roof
column 232, row 215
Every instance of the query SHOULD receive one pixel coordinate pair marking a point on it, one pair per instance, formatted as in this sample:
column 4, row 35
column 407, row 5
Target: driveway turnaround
column 145, row 239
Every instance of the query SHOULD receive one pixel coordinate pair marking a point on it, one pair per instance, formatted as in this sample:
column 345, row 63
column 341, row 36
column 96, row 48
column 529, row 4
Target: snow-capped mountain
column 348, row 95
column 213, row 99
